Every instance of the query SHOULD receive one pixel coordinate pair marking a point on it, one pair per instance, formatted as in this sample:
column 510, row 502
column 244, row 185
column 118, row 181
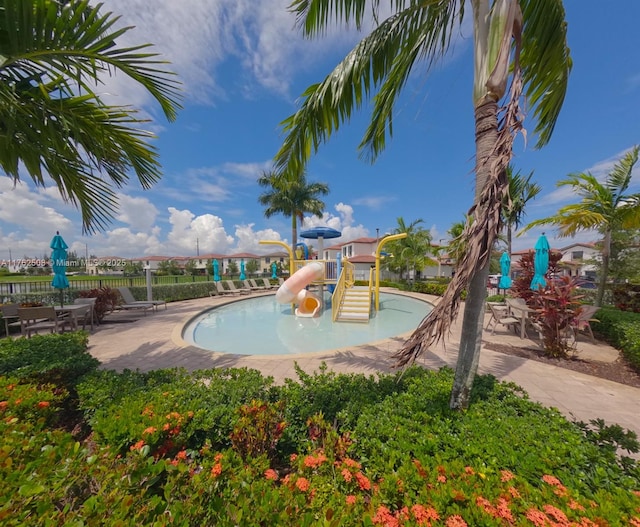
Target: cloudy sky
column 243, row 65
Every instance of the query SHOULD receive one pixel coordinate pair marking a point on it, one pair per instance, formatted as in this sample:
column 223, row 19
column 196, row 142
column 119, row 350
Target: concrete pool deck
column 132, row 340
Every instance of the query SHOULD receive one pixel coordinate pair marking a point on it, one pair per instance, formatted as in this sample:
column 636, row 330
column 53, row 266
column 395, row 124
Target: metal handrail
column 338, row 294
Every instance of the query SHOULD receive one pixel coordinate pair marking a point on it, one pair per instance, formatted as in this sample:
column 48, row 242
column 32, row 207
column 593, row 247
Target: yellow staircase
column 355, row 305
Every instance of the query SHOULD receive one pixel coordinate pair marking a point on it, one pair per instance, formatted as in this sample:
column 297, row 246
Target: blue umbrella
column 274, row 270
column 505, row 264
column 242, row 276
column 540, row 262
column 59, row 265
column 216, row 271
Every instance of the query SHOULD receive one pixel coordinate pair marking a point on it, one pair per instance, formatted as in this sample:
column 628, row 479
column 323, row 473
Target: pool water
column 261, row 326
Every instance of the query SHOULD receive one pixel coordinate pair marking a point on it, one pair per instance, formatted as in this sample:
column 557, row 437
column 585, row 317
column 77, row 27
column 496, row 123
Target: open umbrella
column 59, row 265
column 505, row 265
column 274, row 270
column 216, row 271
column 540, row 262
column 242, row 276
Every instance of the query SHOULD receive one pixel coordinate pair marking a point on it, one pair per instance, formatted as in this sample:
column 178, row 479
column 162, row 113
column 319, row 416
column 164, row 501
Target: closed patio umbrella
column 274, row 270
column 216, row 271
column 242, row 276
column 505, row 265
column 59, row 265
column 540, row 262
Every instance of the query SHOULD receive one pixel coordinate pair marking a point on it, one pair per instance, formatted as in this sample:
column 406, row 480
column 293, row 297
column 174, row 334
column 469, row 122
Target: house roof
column 363, row 258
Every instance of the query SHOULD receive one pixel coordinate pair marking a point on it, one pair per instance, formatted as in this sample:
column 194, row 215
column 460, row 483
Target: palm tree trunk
column 486, row 118
column 606, row 258
column 294, row 234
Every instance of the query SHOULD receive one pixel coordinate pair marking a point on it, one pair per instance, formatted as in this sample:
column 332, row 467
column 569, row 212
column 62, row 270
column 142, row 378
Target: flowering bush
column 405, row 460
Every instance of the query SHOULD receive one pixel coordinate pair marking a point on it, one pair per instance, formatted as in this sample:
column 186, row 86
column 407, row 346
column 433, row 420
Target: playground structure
column 349, row 303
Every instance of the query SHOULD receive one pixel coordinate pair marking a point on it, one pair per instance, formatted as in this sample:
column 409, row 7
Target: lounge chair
column 239, row 291
column 268, row 284
column 222, row 291
column 128, row 298
column 253, row 285
column 33, row 319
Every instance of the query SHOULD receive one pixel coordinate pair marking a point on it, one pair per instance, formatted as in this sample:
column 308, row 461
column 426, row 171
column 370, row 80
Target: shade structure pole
column 148, row 280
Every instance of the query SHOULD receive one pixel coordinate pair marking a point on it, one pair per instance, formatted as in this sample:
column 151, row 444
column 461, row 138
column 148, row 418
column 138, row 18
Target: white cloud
column 139, row 213
column 248, row 240
column 374, row 202
column 343, row 222
column 188, row 231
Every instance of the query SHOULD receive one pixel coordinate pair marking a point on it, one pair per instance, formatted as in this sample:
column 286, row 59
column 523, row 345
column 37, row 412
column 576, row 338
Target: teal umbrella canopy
column 59, row 264
column 274, row 270
column 540, row 262
column 216, row 271
column 505, row 266
column 242, row 276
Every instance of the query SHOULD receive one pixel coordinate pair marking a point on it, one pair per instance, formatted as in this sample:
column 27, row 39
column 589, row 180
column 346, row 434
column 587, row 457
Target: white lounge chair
column 222, row 291
column 239, row 291
column 253, row 285
column 268, row 284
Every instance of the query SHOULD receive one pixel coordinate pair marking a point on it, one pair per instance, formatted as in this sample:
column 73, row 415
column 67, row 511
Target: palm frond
column 384, row 57
column 545, row 61
column 620, row 176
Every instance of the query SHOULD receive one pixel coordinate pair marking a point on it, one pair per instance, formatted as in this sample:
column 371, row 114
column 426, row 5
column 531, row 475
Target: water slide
column 293, row 290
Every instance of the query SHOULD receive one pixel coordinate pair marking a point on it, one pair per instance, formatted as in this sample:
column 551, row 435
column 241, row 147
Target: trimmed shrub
column 622, row 330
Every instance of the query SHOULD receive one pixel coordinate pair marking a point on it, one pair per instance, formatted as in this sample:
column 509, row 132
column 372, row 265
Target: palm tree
column 604, row 207
column 52, row 57
column 517, row 43
column 519, row 192
column 291, row 197
column 410, row 252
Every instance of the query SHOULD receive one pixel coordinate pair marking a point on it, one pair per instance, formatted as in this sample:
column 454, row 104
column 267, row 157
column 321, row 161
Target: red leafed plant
column 557, row 307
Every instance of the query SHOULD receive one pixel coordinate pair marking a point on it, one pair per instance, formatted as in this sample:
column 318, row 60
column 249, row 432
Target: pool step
column 355, row 306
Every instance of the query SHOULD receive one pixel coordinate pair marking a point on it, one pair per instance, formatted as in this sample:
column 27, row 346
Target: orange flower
column 293, row 457
column 538, row 518
column 351, row 463
column 469, row 470
column 442, row 478
column 350, row 499
column 506, row 475
column 574, row 505
column 4, row 405
column 44, row 404
column 384, row 517
column 556, row 514
column 635, row 522
column 149, row 430
column 271, row 474
column 216, row 470
column 138, row 446
column 456, row 521
column 302, row 484
column 346, row 475
column 363, row 481
column 181, row 455
column 514, row 492
column 313, row 462
column 424, row 515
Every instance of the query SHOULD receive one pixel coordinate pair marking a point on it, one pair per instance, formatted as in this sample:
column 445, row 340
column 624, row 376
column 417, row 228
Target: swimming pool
column 261, row 326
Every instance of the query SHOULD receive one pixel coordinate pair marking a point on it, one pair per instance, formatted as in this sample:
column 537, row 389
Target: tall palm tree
column 291, row 197
column 604, row 207
column 53, row 55
column 410, row 252
column 520, row 44
column 520, row 191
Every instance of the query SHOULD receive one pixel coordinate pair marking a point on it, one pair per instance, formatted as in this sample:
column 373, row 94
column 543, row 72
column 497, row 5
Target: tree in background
column 519, row 192
column 191, row 268
column 54, row 124
column 520, row 44
column 232, row 268
column 252, row 267
column 605, row 207
column 409, row 253
column 168, row 268
column 624, row 263
column 291, row 196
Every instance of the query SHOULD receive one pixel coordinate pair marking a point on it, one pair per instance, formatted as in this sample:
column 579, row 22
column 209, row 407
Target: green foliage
column 368, row 451
column 175, row 292
column 496, row 298
column 622, row 330
column 55, row 359
column 626, row 297
column 106, row 300
column 170, row 406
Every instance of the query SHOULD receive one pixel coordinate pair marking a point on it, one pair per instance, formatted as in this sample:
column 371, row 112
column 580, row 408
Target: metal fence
column 44, row 286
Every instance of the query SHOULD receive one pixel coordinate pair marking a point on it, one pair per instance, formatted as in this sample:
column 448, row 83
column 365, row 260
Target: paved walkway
column 146, row 342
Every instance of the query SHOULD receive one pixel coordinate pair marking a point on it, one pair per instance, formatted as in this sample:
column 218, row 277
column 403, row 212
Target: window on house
column 577, row 255
column 267, row 260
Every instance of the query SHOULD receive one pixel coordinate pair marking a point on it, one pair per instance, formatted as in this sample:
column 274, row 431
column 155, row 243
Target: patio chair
column 128, row 298
column 501, row 315
column 90, row 314
column 45, row 317
column 582, row 321
column 10, row 317
column 239, row 291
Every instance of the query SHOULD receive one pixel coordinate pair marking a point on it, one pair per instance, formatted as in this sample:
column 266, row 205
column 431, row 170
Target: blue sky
column 243, row 65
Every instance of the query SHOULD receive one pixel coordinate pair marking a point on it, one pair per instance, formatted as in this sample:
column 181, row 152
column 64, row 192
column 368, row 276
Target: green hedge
column 622, row 330
column 175, row 292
